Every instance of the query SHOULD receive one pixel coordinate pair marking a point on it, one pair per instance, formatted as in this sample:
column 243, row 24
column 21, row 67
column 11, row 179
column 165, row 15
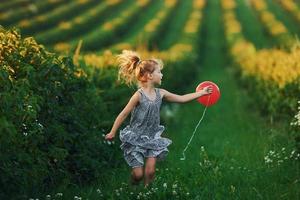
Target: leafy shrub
column 51, row 120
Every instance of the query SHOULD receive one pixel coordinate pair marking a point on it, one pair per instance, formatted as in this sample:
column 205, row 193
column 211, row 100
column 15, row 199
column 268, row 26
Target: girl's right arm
column 134, row 100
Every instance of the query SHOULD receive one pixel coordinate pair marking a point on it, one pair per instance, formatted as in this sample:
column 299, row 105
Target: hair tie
column 137, row 63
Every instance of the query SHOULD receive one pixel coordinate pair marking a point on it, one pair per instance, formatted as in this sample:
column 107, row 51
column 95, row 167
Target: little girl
column 142, row 137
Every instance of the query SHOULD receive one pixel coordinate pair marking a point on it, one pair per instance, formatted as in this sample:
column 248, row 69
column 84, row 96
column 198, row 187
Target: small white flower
column 165, row 185
column 59, row 194
column 48, row 196
column 174, row 192
column 77, row 198
column 202, row 148
column 187, row 193
column 292, row 153
column 98, row 190
column 174, row 186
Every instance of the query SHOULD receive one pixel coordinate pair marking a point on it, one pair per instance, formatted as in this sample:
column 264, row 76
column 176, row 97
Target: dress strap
column 141, row 92
column 157, row 92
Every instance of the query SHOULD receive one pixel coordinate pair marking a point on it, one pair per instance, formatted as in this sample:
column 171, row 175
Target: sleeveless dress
column 142, row 137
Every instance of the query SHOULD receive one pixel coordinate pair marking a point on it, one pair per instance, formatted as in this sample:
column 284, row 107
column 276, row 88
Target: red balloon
column 214, row 96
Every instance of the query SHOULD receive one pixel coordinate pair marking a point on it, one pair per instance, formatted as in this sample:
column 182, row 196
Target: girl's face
column 157, row 75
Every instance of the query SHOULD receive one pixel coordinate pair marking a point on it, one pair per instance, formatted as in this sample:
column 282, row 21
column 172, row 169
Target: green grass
column 285, row 18
column 137, row 27
column 226, row 159
column 254, row 33
column 175, row 26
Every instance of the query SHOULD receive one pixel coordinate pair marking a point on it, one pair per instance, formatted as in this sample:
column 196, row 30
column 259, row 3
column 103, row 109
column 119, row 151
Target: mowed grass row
column 132, row 36
column 292, row 9
column 24, row 9
column 183, row 46
column 175, row 25
column 187, row 35
column 272, row 18
column 81, row 24
column 52, row 18
column 150, row 31
column 255, row 33
column 285, row 17
column 6, row 4
column 113, row 28
column 66, row 25
column 273, row 26
column 150, row 25
column 18, row 16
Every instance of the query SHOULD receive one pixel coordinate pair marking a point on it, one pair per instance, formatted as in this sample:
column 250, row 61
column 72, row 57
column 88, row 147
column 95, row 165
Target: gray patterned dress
column 142, row 137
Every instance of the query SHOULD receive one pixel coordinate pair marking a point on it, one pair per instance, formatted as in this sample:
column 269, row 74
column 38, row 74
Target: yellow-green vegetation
column 59, row 96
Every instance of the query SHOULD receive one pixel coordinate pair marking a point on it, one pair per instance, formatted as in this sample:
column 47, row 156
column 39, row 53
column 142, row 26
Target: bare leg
column 149, row 171
column 136, row 175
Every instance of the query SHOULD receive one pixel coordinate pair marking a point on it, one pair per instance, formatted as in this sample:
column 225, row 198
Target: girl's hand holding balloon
column 207, row 90
column 212, row 89
column 109, row 136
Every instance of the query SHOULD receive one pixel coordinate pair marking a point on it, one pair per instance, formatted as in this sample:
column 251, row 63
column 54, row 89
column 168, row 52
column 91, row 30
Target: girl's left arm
column 187, row 97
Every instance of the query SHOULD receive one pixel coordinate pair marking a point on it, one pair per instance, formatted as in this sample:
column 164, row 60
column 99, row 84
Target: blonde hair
column 133, row 69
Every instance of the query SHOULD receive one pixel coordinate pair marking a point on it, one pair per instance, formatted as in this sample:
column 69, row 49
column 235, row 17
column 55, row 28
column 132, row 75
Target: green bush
column 52, row 120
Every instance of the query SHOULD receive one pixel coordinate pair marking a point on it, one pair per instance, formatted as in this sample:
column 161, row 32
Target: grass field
column 237, row 153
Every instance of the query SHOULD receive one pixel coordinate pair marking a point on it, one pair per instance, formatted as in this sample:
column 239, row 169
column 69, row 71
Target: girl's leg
column 136, row 175
column 149, row 170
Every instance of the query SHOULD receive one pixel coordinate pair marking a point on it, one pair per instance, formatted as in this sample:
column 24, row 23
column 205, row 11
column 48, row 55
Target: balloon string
column 183, row 158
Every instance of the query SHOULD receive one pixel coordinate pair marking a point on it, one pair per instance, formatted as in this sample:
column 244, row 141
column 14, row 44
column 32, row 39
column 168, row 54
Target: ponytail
column 133, row 69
